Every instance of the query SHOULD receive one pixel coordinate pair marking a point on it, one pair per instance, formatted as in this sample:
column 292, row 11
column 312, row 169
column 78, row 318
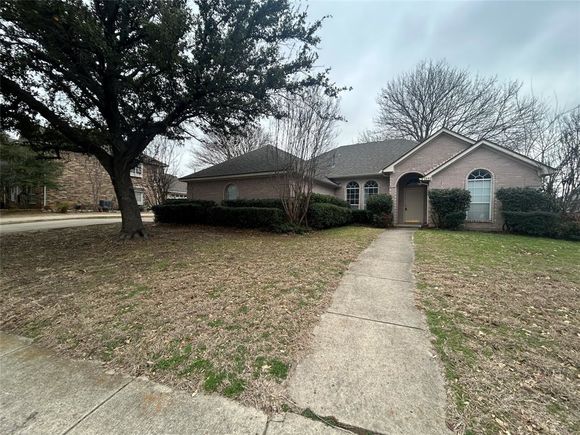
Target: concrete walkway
column 41, row 393
column 372, row 365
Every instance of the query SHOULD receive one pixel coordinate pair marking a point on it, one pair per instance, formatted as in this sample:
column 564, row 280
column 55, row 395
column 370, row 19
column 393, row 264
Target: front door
column 414, row 205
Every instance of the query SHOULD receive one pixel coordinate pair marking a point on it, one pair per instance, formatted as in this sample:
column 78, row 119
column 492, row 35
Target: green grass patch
column 178, row 357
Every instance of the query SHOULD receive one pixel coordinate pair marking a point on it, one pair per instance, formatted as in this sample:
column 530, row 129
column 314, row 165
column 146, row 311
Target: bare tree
column 562, row 152
column 301, row 136
column 162, row 162
column 97, row 176
column 435, row 95
column 218, row 147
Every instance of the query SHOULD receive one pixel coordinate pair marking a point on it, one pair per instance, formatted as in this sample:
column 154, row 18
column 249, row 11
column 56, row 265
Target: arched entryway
column 411, row 200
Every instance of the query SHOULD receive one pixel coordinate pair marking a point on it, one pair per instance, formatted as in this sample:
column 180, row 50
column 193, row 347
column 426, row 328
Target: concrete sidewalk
column 372, row 365
column 41, row 393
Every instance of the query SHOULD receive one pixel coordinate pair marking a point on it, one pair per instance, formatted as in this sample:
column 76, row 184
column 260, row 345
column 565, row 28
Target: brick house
column 402, row 168
column 85, row 183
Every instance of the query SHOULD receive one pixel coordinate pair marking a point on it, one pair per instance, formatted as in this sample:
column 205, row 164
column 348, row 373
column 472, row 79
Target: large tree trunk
column 132, row 225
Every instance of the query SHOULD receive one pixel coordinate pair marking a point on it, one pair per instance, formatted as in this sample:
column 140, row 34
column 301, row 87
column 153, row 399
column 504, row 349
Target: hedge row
column 261, row 203
column 315, row 198
column 535, row 213
column 325, row 211
column 201, row 202
column 241, row 217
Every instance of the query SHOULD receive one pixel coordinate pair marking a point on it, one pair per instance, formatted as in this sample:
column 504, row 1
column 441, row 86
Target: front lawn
column 200, row 308
column 505, row 315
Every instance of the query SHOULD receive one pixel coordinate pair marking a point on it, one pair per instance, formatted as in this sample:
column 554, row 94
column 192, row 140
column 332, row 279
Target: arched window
column 231, row 192
column 479, row 185
column 371, row 188
column 352, row 194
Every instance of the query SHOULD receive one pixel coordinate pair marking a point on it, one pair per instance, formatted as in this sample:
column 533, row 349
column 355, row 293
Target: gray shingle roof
column 348, row 160
column 265, row 159
column 364, row 158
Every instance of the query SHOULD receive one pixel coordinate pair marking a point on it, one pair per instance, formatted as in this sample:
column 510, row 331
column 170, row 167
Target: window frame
column 137, row 171
column 141, row 193
column 366, row 195
column 226, row 198
column 491, row 195
column 346, row 191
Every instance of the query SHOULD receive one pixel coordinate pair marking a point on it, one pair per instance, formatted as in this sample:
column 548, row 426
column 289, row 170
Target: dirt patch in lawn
column 200, row 308
column 505, row 315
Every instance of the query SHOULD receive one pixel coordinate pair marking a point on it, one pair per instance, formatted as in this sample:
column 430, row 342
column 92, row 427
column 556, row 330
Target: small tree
column 94, row 172
column 218, row 147
column 162, row 160
column 307, row 130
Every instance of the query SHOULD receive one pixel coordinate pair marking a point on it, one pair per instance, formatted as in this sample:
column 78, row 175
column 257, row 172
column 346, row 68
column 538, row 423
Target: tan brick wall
column 506, row 172
column 80, row 173
column 248, row 188
column 382, row 181
column 433, row 154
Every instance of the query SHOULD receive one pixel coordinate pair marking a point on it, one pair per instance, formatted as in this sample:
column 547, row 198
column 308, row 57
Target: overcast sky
column 367, row 43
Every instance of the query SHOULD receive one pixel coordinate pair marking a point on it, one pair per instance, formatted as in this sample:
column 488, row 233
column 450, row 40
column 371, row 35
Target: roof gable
column 542, row 168
column 430, row 139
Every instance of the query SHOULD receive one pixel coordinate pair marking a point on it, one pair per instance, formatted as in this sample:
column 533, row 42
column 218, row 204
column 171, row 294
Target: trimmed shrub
column 380, row 204
column 328, row 215
column 261, row 203
column 180, row 213
column 361, row 216
column 533, row 223
column 319, row 198
column 526, row 199
column 449, row 207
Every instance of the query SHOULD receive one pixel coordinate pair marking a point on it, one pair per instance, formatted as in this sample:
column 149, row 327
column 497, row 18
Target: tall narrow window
column 352, row 194
column 231, row 192
column 479, row 185
column 371, row 188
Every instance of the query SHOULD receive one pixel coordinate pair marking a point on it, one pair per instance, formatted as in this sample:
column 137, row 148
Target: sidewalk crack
column 87, row 415
column 332, row 421
column 381, row 277
column 375, row 320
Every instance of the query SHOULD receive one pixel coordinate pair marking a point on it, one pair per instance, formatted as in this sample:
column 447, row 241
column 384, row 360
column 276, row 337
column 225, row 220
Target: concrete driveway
column 48, row 223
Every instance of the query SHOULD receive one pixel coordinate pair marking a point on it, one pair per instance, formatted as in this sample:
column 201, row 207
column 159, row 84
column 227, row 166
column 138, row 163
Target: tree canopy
column 106, row 77
column 417, row 103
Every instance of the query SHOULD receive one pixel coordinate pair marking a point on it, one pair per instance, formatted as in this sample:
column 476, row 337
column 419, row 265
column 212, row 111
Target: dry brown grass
column 505, row 315
column 199, row 308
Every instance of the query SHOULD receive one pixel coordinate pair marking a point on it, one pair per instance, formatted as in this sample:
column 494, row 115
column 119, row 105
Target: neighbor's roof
column 363, row 158
column 176, row 186
column 265, row 159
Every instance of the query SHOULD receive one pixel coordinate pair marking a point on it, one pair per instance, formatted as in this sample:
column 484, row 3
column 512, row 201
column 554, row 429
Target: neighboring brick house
column 85, row 183
column 403, row 168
